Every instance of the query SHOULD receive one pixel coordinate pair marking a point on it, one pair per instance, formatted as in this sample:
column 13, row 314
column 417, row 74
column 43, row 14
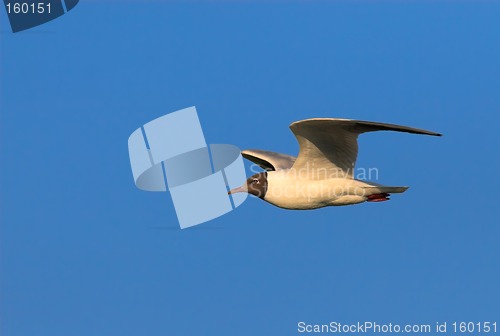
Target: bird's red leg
column 378, row 197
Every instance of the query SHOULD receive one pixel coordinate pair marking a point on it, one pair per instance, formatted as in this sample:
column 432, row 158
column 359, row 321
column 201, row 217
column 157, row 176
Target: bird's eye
column 255, row 181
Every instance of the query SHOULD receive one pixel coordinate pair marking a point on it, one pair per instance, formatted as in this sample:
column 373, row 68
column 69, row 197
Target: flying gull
column 322, row 173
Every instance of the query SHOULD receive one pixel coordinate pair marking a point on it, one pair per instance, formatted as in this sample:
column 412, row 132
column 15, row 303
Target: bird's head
column 255, row 185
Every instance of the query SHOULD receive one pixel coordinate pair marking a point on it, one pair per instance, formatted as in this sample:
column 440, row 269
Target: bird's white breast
column 297, row 192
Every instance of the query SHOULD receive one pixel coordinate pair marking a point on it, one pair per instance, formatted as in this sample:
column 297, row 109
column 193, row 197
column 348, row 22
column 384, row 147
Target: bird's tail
column 391, row 190
column 374, row 188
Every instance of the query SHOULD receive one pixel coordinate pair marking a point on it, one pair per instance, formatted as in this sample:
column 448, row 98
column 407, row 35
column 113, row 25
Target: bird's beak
column 243, row 188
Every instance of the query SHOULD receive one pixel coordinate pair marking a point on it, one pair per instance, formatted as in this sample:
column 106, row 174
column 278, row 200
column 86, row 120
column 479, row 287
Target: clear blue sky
column 83, row 252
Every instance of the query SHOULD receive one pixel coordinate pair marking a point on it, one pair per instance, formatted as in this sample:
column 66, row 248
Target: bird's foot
column 378, row 197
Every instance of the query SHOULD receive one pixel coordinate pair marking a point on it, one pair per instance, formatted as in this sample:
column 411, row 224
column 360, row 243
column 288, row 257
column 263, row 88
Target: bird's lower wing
column 269, row 160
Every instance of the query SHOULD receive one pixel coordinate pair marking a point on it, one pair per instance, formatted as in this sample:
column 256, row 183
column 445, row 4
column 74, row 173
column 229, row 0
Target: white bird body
column 322, row 173
column 287, row 190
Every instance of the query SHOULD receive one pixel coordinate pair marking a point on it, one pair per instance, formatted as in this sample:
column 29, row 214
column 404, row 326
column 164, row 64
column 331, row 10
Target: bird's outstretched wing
column 329, row 147
column 269, row 160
